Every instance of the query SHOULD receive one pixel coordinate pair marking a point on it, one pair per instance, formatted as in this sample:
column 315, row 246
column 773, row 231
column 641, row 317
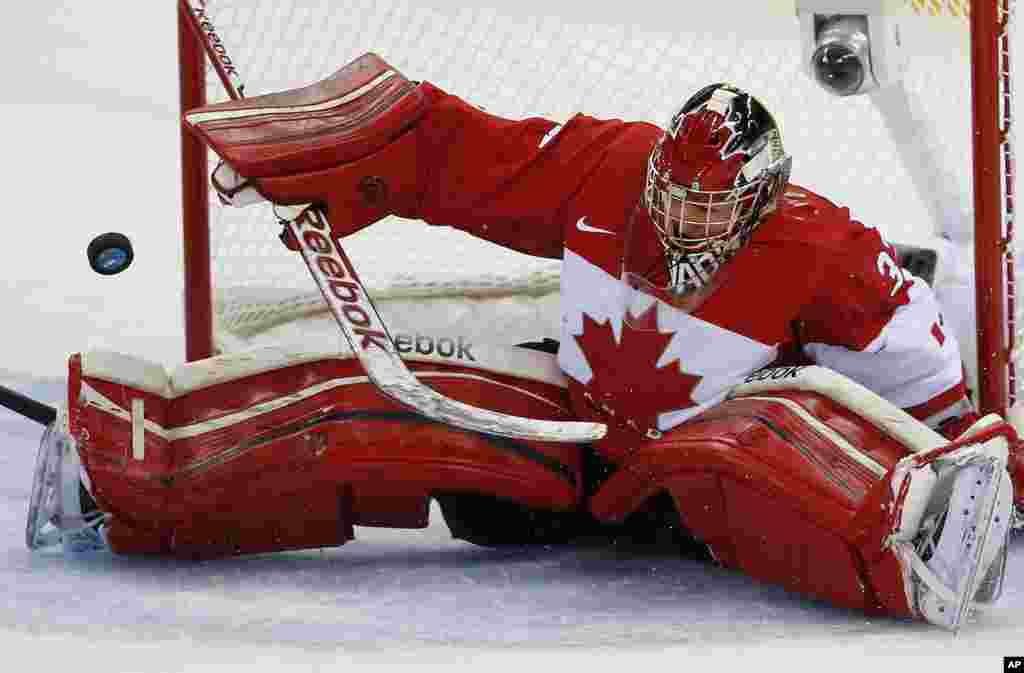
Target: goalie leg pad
column 788, row 506
column 259, row 452
column 772, row 497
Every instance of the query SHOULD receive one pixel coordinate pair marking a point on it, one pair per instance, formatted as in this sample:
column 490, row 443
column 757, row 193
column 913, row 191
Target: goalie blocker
column 802, row 478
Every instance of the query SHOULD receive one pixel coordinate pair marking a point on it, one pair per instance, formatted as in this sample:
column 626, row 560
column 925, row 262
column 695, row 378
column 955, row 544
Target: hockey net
column 904, row 169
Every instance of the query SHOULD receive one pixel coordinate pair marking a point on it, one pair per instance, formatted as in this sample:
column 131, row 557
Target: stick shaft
column 32, row 409
column 368, row 338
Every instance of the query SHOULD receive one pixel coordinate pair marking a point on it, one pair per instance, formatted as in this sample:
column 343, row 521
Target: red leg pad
column 775, row 498
column 260, row 463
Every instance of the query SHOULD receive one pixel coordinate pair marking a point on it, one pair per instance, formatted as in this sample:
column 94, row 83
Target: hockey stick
column 355, row 313
column 369, row 339
column 31, row 409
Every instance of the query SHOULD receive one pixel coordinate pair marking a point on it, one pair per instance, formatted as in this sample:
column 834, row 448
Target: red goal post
column 195, row 196
column 994, row 242
column 605, row 69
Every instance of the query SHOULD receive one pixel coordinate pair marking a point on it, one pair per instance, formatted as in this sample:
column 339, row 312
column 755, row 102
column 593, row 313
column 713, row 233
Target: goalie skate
column 962, row 548
column 60, row 510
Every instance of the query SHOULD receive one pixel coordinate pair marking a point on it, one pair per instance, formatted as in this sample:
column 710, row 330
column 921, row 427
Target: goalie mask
column 718, row 168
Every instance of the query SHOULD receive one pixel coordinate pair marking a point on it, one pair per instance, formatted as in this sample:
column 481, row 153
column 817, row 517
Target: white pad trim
column 138, row 428
column 127, row 370
column 980, row 425
column 523, row 363
column 97, row 400
column 884, row 415
column 197, row 118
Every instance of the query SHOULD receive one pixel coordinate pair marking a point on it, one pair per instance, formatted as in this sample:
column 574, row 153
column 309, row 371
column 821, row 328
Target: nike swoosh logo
column 582, row 225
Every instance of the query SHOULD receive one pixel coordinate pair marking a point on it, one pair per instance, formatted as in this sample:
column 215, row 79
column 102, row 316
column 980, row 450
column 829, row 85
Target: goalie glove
column 233, row 189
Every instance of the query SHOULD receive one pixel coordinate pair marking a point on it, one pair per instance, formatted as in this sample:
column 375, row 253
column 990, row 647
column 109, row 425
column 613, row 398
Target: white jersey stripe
column 909, row 362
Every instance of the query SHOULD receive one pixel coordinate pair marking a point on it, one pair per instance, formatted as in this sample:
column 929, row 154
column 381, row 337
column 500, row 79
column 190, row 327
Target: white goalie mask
column 718, row 168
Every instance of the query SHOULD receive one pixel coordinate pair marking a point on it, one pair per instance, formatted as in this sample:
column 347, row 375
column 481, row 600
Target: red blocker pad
column 274, row 449
column 789, row 482
column 334, row 142
column 347, row 116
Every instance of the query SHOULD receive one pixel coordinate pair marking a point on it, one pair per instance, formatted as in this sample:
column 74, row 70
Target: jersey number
column 888, row 267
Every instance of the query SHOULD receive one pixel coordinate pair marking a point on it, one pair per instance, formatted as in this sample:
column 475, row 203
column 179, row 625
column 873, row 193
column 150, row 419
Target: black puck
column 110, row 253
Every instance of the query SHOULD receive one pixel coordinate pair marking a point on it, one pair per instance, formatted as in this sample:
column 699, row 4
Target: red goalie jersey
column 811, row 281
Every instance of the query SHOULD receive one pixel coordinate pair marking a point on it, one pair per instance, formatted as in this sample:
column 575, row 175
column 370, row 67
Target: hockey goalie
column 760, row 360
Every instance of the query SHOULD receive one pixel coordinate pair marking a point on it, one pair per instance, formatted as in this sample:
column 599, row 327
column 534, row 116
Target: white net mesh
column 633, row 61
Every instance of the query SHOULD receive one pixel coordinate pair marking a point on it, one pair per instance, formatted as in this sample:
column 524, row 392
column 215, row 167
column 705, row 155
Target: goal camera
column 851, row 46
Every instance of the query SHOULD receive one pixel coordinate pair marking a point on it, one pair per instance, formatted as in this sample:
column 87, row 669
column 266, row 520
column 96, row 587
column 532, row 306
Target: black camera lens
column 839, row 68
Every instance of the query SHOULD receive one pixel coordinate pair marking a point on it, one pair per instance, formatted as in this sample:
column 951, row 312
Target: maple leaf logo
column 627, row 380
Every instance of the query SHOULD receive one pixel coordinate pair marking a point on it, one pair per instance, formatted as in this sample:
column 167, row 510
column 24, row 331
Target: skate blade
column 39, row 529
